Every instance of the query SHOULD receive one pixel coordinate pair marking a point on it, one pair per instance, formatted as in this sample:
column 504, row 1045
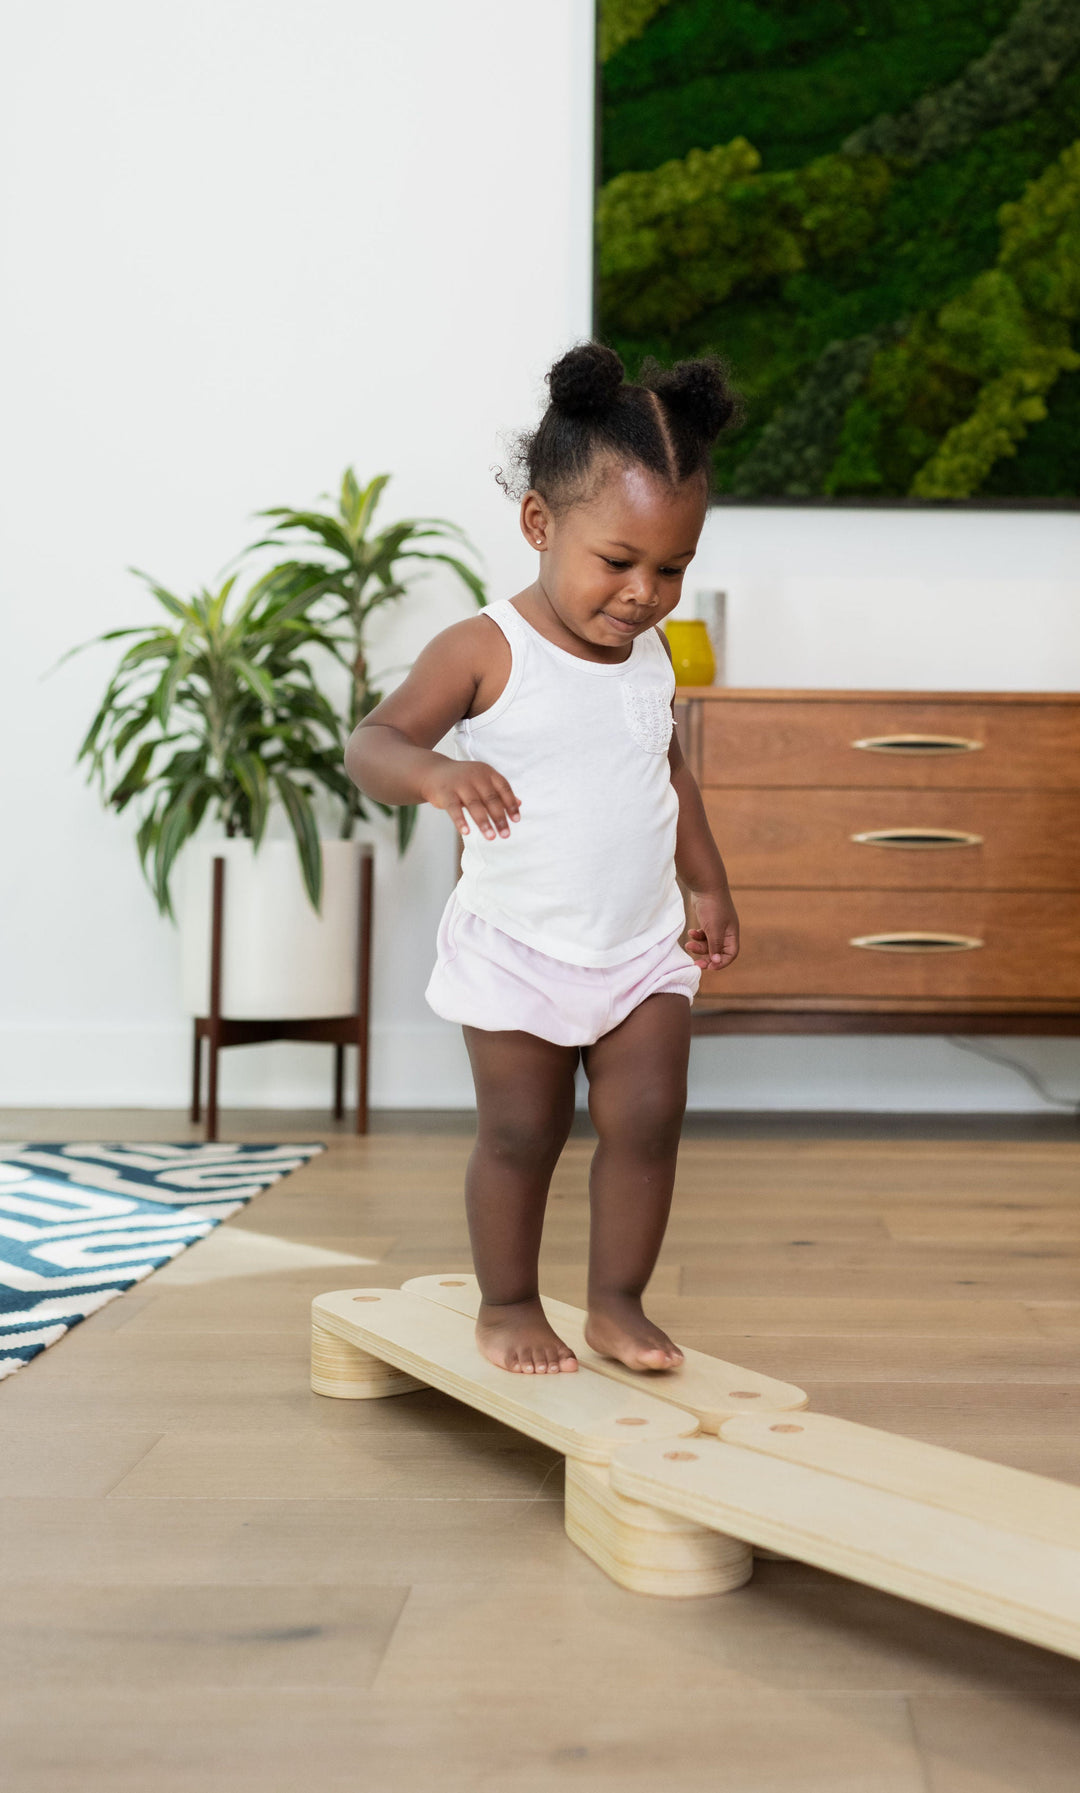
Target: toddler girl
column 561, row 941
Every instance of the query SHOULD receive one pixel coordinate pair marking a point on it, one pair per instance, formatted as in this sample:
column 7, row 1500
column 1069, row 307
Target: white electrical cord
column 1014, row 1064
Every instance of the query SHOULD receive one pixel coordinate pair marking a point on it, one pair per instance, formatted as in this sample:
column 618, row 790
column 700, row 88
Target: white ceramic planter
column 282, row 961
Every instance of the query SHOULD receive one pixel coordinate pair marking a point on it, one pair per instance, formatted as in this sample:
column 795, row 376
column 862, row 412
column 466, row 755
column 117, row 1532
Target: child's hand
column 469, row 785
column 716, row 942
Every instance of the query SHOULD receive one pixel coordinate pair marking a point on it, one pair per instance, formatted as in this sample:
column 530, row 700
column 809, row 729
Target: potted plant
column 355, row 571
column 214, row 712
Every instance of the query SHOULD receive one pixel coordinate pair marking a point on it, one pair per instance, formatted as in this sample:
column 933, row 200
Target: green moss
column 964, row 385
column 769, row 268
column 794, row 79
column 621, row 21
column 1047, row 462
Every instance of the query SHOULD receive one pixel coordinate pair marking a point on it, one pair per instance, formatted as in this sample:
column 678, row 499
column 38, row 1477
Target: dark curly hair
column 667, row 422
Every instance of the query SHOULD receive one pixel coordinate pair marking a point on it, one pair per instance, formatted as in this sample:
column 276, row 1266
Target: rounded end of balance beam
column 346, row 1373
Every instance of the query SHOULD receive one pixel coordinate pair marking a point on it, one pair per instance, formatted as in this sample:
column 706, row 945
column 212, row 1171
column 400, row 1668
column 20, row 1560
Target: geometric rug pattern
column 79, row 1224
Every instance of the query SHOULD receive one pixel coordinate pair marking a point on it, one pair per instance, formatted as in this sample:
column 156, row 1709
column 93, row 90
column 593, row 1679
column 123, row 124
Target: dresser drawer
column 917, row 744
column 970, row 840
column 799, row 944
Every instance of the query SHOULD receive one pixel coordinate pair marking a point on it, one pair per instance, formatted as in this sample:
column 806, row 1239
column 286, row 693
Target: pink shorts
column 484, row 978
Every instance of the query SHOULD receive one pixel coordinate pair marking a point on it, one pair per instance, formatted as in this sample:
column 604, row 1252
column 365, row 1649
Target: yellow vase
column 691, row 651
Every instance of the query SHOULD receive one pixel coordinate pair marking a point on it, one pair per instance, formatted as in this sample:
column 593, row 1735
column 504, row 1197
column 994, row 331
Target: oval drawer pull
column 918, row 838
column 914, row 941
column 917, row 744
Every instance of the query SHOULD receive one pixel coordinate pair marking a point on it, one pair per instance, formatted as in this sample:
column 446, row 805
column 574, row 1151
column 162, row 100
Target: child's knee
column 647, row 1119
column 526, row 1137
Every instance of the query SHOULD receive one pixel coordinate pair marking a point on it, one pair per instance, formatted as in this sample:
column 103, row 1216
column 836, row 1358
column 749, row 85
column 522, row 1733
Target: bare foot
column 517, row 1337
column 617, row 1328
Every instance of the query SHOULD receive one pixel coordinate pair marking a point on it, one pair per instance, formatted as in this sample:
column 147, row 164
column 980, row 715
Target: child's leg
column 524, row 1110
column 637, row 1094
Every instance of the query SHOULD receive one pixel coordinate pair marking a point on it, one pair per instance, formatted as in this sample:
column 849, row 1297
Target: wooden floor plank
column 515, row 1662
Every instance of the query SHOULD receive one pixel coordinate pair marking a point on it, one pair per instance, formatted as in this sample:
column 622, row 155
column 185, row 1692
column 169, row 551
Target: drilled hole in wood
column 453, row 1282
column 681, row 1456
column 631, row 1422
column 744, row 1394
column 367, row 1297
column 786, row 1428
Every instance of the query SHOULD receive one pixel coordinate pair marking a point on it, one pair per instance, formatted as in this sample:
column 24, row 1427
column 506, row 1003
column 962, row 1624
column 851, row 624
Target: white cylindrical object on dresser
column 711, row 607
column 282, row 960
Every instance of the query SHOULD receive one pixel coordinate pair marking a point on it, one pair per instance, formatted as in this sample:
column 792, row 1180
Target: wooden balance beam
column 679, row 1512
column 707, row 1387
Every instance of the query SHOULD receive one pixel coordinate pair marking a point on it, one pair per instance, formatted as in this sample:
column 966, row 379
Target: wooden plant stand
column 339, row 1031
column 674, row 1481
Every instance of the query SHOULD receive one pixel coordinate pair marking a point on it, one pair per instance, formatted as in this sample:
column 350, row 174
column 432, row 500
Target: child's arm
column 697, row 860
column 715, row 943
column 390, row 754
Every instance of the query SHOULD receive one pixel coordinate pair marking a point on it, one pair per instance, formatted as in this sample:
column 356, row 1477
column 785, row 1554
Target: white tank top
column 588, row 874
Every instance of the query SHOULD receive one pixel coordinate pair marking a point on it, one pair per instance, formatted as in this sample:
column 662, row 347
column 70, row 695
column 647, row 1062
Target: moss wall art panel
column 871, row 210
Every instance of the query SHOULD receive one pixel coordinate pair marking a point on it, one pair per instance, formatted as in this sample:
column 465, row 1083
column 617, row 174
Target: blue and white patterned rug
column 79, row 1224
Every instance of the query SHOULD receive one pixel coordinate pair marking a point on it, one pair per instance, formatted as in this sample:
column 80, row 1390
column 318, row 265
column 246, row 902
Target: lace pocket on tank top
column 648, row 716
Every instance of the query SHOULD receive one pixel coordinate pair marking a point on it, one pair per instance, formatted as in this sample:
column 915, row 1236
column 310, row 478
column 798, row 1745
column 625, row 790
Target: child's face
column 613, row 566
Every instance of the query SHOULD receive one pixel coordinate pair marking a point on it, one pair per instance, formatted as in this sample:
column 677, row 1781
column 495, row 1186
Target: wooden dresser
column 901, row 861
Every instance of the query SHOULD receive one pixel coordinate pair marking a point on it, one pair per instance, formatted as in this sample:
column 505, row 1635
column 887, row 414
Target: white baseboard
column 426, row 1067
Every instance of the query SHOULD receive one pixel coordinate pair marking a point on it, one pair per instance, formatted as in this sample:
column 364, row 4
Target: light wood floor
column 212, row 1579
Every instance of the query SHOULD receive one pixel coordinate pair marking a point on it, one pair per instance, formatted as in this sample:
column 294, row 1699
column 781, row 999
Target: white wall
column 248, row 243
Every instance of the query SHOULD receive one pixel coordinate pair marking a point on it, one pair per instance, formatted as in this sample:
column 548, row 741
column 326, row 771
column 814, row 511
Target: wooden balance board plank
column 1031, row 1506
column 583, row 1416
column 705, row 1386
column 1005, row 1579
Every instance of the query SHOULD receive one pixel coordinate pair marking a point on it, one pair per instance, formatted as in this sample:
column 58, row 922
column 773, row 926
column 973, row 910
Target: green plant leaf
column 178, row 822
column 256, row 680
column 174, row 605
column 145, row 836
column 95, row 641
column 134, row 779
column 143, row 715
column 252, row 776
column 302, row 822
column 103, row 715
column 161, row 643
column 383, row 594
column 216, row 602
column 350, row 500
column 464, row 573
column 373, row 491
column 325, row 528
column 406, row 824
column 182, row 765
column 425, row 526
column 167, row 688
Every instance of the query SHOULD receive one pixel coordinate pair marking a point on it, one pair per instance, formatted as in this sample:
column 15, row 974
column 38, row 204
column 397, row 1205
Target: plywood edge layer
column 645, row 1550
